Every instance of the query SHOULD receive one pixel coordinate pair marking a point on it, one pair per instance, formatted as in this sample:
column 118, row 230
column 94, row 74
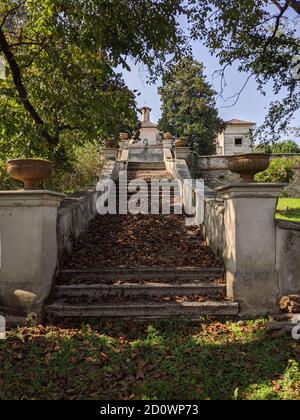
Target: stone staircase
column 141, row 293
column 88, row 289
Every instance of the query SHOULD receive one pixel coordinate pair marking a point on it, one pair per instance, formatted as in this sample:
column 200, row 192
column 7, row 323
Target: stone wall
column 213, row 226
column 74, row 216
column 293, row 190
column 78, row 210
column 287, row 256
column 214, row 170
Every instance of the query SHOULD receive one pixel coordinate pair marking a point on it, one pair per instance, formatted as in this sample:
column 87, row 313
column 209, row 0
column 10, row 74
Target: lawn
column 165, row 360
column 289, row 209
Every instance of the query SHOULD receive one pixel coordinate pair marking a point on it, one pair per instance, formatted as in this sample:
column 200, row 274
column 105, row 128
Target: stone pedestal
column 250, row 245
column 182, row 153
column 110, row 154
column 28, row 245
column 124, row 144
column 168, row 144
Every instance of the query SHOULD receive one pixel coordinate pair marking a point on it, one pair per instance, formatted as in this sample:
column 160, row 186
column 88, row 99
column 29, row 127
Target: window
column 239, row 141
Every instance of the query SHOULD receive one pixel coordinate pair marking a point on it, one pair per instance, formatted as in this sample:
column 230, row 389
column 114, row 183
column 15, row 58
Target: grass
column 164, row 360
column 289, row 209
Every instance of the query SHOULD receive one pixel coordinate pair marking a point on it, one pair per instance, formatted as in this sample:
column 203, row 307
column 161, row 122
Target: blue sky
column 252, row 106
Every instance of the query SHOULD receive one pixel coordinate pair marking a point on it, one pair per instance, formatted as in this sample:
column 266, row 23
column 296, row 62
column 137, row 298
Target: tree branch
column 17, row 78
column 295, row 5
column 11, row 11
column 291, row 3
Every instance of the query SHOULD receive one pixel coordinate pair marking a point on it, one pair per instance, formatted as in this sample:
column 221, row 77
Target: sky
column 252, row 105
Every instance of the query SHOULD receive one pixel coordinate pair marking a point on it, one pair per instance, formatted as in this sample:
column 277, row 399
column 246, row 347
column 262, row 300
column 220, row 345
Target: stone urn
column 248, row 165
column 111, row 143
column 123, row 136
column 167, row 136
column 30, row 171
column 182, row 142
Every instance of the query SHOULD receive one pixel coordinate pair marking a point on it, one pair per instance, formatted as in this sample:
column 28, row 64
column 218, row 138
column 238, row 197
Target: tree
column 288, row 146
column 262, row 37
column 188, row 106
column 61, row 56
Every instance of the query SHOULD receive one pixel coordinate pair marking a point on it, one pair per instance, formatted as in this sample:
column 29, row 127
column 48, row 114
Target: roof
column 239, row 122
column 148, row 124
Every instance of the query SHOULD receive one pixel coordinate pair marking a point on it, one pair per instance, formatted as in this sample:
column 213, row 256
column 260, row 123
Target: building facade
column 149, row 131
column 235, row 139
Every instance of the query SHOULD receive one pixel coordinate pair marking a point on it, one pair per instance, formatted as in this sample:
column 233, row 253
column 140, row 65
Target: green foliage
column 280, row 170
column 283, row 147
column 83, row 170
column 288, row 209
column 62, row 87
column 61, row 55
column 189, row 107
column 261, row 37
column 80, row 167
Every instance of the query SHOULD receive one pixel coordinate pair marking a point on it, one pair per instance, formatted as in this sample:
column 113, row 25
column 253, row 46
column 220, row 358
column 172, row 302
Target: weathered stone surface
column 28, row 248
column 172, row 275
column 182, row 153
column 250, row 246
column 214, row 170
column 78, row 210
column 144, row 310
column 135, row 290
column 213, row 226
column 293, row 190
column 287, row 256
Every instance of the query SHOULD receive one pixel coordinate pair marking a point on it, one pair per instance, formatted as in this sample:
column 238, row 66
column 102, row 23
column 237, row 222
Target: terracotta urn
column 182, row 142
column 248, row 165
column 30, row 171
column 167, row 136
column 123, row 136
column 111, row 143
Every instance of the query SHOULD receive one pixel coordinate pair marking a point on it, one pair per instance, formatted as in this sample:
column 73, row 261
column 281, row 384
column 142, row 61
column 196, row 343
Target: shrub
column 288, row 146
column 80, row 168
column 280, row 170
column 83, row 171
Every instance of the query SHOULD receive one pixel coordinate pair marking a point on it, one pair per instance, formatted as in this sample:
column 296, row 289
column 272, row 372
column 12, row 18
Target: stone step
column 140, row 166
column 142, row 274
column 142, row 310
column 146, row 195
column 135, row 290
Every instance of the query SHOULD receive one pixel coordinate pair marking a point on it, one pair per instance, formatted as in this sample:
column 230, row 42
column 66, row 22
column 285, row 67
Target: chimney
column 146, row 114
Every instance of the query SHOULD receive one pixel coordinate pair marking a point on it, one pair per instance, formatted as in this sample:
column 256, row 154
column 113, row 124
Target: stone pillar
column 168, row 144
column 28, row 249
column 250, row 246
column 124, row 144
column 182, row 153
column 110, row 153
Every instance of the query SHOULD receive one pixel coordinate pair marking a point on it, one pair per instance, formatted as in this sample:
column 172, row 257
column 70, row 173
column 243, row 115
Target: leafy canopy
column 288, row 146
column 61, row 85
column 262, row 38
column 61, row 56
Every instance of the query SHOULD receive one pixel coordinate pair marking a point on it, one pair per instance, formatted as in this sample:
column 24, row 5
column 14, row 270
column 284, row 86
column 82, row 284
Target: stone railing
column 257, row 252
column 77, row 211
column 213, row 225
column 214, row 170
column 37, row 228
